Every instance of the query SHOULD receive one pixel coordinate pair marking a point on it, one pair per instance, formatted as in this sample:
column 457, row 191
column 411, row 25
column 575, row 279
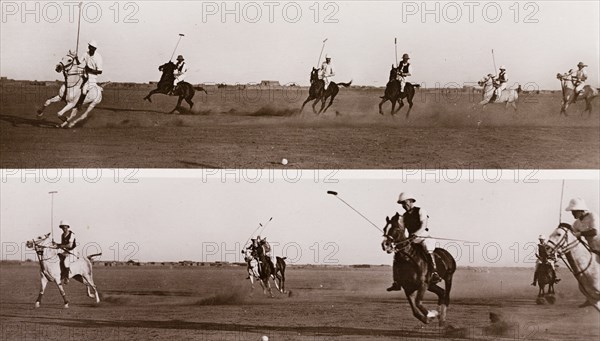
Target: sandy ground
column 210, row 303
column 231, row 128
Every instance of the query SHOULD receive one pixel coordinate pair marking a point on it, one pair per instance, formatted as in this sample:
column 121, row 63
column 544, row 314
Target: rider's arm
column 407, row 74
column 424, row 221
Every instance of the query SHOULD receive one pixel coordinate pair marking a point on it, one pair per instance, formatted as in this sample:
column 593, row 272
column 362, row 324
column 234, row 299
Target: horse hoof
column 66, row 306
column 432, row 314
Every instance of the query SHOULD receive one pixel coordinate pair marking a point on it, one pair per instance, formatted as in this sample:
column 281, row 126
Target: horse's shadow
column 19, row 121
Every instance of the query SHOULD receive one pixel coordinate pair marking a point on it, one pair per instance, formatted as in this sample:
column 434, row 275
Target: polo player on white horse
column 578, row 78
column 500, row 83
column 81, row 85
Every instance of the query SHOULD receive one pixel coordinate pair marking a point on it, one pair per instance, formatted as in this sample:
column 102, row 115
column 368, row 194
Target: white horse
column 508, row 96
column 73, row 75
column 254, row 275
column 80, row 269
column 584, row 264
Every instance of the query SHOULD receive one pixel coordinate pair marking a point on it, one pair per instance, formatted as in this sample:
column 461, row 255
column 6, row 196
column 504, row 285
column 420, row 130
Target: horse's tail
column 199, row 88
column 94, row 255
column 346, row 85
column 519, row 89
column 416, row 86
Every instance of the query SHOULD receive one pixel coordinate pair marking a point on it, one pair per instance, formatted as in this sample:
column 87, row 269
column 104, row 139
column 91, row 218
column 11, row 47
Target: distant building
column 269, row 83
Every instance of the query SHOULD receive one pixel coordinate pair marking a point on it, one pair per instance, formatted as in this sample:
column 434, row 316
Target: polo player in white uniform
column 92, row 65
column 326, row 71
column 585, row 224
column 180, row 71
column 578, row 77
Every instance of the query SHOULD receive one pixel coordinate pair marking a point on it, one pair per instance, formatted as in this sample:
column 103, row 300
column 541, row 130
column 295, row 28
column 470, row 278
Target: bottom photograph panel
column 298, row 255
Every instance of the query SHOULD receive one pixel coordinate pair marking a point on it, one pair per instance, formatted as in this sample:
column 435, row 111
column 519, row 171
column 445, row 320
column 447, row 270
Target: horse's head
column 393, row 233
column 393, row 72
column 39, row 241
column 559, row 238
column 486, row 80
column 314, row 75
column 66, row 63
column 168, row 67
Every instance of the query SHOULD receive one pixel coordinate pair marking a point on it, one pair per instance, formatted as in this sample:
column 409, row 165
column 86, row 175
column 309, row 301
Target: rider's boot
column 435, row 278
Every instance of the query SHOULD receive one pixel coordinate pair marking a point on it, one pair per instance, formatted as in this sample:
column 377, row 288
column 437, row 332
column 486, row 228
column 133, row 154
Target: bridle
column 563, row 246
column 39, row 249
column 66, row 73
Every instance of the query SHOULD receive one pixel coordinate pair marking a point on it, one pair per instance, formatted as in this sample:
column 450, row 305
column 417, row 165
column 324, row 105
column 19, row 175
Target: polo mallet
column 396, row 48
column 321, row 54
column 260, row 225
column 263, row 227
column 560, row 209
column 494, row 60
column 181, row 35
column 335, row 194
column 52, row 212
column 78, row 29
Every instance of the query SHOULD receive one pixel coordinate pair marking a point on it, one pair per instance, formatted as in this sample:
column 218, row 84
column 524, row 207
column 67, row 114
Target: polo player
column 415, row 220
column 544, row 257
column 326, row 71
column 68, row 245
column 403, row 71
column 262, row 242
column 578, row 77
column 586, row 224
column 500, row 83
column 180, row 71
column 92, row 64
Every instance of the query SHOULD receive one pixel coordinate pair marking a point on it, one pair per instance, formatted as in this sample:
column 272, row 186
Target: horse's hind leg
column 303, row 104
column 410, row 105
column 177, row 106
column 148, row 97
column 330, row 103
column 63, row 294
column 83, row 116
column 189, row 101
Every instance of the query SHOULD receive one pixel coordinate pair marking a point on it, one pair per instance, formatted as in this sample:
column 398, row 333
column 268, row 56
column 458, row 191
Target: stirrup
column 435, row 277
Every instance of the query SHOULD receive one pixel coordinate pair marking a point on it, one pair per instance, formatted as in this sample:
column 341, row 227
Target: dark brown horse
column 546, row 276
column 570, row 97
column 268, row 270
column 318, row 93
column 393, row 94
column 165, row 86
column 412, row 273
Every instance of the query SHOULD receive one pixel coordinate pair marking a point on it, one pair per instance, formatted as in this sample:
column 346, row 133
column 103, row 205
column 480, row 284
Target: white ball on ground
column 264, row 338
column 284, row 162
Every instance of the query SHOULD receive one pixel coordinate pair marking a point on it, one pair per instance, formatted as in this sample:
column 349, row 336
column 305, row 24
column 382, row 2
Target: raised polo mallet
column 78, row 28
column 396, row 48
column 260, row 225
column 494, row 60
column 321, row 54
column 52, row 212
column 181, row 35
column 335, row 194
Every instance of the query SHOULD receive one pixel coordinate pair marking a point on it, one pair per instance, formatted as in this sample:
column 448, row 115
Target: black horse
column 412, row 273
column 393, row 94
column 318, row 93
column 545, row 275
column 165, row 86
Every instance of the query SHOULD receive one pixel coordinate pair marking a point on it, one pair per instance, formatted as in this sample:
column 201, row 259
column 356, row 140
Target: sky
column 450, row 44
column 208, row 215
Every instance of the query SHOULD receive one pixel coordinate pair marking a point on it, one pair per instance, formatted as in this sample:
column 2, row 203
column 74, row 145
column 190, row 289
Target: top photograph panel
column 301, row 84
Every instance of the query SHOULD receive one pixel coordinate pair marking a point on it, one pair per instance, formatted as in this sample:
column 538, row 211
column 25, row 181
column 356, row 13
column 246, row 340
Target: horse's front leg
column 306, row 101
column 413, row 306
column 323, row 101
column 43, row 283
column 69, row 106
column 430, row 314
column 178, row 105
column 40, row 112
column 149, row 96
column 385, row 99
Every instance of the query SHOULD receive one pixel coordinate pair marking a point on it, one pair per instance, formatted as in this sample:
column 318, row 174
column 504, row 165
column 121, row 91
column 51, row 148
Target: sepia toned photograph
column 251, row 255
column 310, row 85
